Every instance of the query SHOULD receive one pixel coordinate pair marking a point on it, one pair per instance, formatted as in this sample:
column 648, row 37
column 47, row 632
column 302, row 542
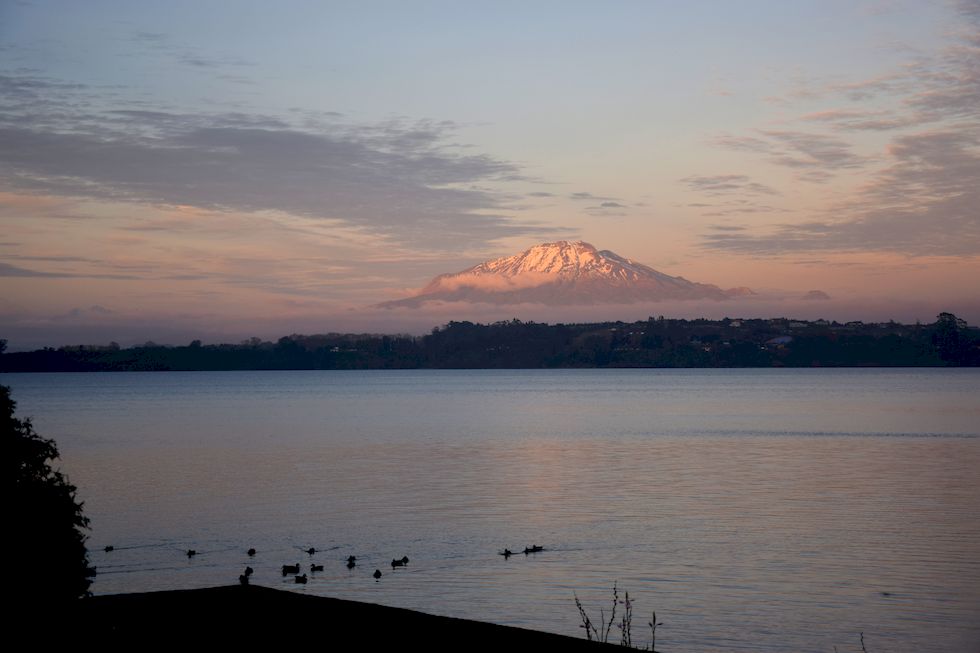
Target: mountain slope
column 559, row 273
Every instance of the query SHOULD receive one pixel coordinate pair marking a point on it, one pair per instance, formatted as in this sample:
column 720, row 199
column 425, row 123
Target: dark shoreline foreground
column 253, row 615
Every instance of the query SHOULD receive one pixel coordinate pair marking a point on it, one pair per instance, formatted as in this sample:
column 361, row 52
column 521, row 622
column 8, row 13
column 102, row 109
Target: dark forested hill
column 654, row 342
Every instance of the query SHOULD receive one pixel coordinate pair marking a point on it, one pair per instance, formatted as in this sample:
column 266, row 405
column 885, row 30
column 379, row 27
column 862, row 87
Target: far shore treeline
column 656, row 342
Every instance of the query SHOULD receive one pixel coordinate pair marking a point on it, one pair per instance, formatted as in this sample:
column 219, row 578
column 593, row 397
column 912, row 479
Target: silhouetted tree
column 948, row 338
column 46, row 563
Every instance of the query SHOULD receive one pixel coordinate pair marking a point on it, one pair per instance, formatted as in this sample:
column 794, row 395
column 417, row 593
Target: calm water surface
column 762, row 510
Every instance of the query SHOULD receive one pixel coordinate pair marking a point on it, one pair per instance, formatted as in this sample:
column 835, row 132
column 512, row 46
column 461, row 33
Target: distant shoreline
column 653, row 343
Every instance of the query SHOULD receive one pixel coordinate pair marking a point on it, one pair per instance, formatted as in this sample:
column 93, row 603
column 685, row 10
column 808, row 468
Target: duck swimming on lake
column 377, row 574
column 290, row 569
column 399, row 563
column 300, row 579
column 191, row 553
column 316, row 568
column 251, row 552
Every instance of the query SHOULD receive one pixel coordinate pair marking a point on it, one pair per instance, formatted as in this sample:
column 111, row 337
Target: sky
column 221, row 170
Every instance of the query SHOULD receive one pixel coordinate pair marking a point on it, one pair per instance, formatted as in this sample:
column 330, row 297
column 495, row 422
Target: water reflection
column 768, row 510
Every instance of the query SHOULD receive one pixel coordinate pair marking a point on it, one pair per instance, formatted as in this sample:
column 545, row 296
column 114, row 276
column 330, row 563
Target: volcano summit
column 562, row 273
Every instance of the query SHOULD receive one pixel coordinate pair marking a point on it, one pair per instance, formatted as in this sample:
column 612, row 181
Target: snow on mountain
column 560, row 273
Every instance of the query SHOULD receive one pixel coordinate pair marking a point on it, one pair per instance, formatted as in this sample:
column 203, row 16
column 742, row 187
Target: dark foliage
column 47, row 563
column 660, row 342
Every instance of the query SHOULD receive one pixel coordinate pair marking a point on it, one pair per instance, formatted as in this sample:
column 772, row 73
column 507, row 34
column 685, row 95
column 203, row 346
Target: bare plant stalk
column 612, row 616
column 586, row 622
column 653, row 631
column 626, row 625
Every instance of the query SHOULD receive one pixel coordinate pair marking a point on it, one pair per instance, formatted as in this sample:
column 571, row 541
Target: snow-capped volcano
column 560, row 273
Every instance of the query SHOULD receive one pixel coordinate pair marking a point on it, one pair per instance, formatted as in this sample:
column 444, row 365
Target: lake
column 763, row 510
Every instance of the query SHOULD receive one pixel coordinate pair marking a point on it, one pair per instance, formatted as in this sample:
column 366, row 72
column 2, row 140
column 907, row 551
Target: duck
column 243, row 579
column 290, row 569
column 108, row 548
column 251, row 552
column 377, row 574
column 249, row 571
column 350, row 563
column 316, row 568
column 300, row 579
column 507, row 553
column 534, row 548
column 311, row 550
column 191, row 553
